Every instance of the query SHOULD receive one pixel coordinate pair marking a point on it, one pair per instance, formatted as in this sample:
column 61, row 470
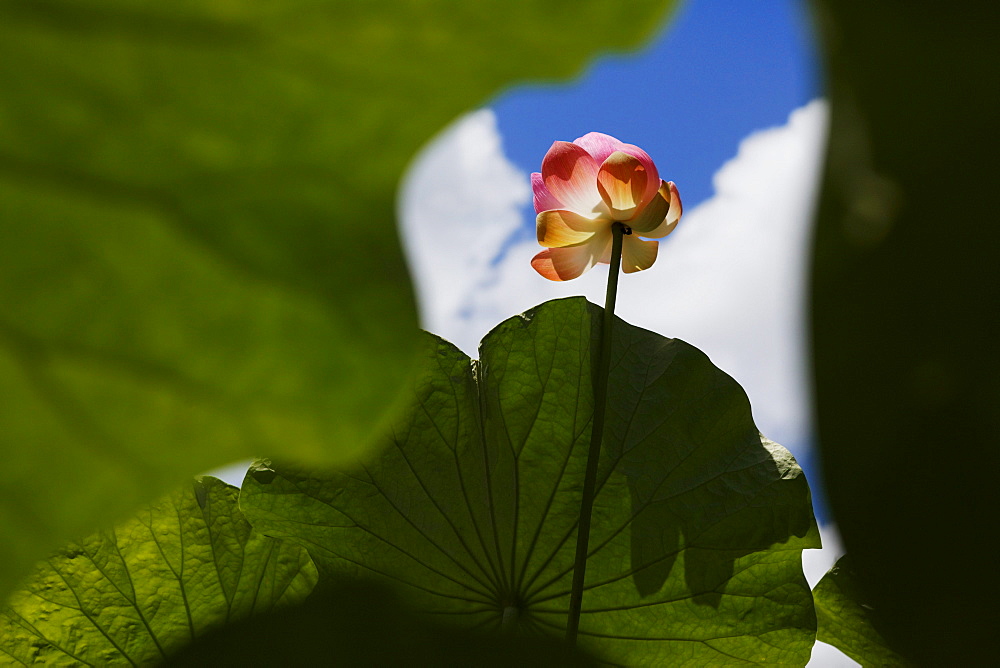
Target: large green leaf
column 845, row 619
column 471, row 507
column 198, row 256
column 905, row 325
column 139, row 592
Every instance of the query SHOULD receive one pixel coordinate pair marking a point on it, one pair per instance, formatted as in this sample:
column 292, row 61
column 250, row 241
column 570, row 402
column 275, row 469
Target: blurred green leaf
column 844, row 619
column 198, row 256
column 472, row 505
column 139, row 592
column 905, row 295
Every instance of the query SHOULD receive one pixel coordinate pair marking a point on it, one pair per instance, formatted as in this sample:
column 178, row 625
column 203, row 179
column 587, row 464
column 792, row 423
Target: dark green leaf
column 198, row 255
column 905, row 324
column 361, row 624
column 845, row 619
column 141, row 591
column 472, row 505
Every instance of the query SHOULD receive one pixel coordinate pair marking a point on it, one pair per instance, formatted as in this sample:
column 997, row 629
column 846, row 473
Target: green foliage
column 471, row 505
column 134, row 594
column 845, row 620
column 905, row 294
column 198, row 256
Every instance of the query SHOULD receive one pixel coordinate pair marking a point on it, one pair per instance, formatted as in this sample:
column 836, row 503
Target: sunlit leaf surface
column 134, row 594
column 471, row 506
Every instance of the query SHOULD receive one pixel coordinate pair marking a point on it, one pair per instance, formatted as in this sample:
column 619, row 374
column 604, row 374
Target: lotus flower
column 583, row 189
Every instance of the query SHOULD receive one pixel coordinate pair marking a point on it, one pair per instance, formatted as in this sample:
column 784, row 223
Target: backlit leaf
column 845, row 619
column 141, row 591
column 471, row 506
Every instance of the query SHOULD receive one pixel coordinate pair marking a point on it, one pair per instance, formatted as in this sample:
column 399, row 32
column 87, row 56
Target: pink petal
column 563, row 264
column 570, row 175
column 638, row 254
column 622, row 183
column 544, row 200
column 556, row 229
column 601, row 146
column 669, row 192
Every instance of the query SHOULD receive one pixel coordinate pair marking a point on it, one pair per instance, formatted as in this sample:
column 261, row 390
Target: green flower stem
column 594, row 455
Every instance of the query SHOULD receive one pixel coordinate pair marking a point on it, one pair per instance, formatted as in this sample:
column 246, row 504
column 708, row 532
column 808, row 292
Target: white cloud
column 828, row 656
column 730, row 280
column 460, row 202
column 815, row 563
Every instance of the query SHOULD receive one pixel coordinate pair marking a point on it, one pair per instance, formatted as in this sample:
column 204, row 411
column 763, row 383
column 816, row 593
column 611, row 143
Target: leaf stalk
column 600, row 379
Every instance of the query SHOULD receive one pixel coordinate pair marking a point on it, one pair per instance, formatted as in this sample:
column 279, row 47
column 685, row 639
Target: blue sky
column 720, row 71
